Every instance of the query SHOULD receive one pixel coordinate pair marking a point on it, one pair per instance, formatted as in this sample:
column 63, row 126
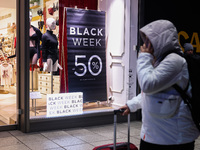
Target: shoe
column 57, row 21
column 57, row 6
column 54, row 7
column 39, row 12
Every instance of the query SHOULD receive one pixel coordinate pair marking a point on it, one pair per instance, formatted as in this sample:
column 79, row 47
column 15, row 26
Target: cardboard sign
column 64, row 104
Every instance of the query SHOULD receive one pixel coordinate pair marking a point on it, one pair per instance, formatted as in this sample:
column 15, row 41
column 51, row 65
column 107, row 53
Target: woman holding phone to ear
column 166, row 121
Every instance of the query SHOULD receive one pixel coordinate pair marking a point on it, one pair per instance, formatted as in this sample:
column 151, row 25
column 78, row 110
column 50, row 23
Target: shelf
column 34, row 7
column 36, row 18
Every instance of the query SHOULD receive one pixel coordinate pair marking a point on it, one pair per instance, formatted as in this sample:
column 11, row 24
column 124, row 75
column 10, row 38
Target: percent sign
column 95, row 65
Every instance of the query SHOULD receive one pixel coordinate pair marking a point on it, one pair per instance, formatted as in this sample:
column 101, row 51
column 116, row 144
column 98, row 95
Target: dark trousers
column 148, row 146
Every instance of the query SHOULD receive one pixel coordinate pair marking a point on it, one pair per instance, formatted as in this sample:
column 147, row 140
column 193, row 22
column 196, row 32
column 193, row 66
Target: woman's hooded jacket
column 166, row 119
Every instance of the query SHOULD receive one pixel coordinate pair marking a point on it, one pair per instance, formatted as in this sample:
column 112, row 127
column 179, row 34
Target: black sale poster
column 86, row 58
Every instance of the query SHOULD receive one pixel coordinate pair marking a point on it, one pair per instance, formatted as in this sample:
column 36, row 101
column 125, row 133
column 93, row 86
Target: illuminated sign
column 64, row 104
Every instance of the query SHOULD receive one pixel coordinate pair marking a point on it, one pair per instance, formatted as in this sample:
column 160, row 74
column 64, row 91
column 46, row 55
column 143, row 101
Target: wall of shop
column 8, row 4
column 121, row 25
column 7, row 18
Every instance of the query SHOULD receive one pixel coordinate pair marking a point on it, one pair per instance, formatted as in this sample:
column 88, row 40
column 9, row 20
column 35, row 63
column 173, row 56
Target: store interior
column 7, row 62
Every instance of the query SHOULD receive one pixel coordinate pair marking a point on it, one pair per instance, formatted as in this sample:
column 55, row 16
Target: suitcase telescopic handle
column 120, row 111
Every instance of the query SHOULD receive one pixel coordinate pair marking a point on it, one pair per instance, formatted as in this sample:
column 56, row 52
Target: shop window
column 8, row 108
column 44, row 72
column 68, row 76
column 82, row 54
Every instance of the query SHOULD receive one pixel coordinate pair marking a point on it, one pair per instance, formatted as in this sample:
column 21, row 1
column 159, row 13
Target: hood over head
column 163, row 37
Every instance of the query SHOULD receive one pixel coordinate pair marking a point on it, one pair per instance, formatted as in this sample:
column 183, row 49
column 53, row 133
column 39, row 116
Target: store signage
column 64, row 104
column 86, row 53
column 194, row 39
column 188, row 28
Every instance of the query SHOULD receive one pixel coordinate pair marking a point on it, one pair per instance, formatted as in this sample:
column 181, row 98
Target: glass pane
column 68, row 76
column 43, row 58
column 8, row 64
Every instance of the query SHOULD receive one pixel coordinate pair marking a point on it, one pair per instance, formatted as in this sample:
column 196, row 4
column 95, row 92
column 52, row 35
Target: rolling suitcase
column 122, row 145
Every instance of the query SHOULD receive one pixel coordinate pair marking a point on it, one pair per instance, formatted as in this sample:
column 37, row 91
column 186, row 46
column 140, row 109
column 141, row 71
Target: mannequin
column 50, row 47
column 34, row 45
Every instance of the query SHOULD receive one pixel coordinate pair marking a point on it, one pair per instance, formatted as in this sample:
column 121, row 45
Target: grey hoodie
column 163, row 36
column 166, row 119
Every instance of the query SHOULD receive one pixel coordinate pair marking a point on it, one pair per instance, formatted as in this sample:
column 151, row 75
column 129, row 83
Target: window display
column 78, row 56
column 81, row 69
column 86, row 51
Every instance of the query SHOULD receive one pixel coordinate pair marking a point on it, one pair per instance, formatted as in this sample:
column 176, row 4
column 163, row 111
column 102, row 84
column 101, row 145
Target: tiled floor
column 71, row 139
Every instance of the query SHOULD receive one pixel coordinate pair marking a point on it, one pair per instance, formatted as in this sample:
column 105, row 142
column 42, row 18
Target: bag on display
column 39, row 12
column 51, row 11
column 40, row 24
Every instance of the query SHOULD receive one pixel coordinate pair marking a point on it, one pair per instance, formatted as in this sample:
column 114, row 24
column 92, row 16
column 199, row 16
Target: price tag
column 35, row 95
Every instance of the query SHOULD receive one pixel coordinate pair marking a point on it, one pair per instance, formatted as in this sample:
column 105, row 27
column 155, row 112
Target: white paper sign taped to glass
column 86, row 53
column 64, row 104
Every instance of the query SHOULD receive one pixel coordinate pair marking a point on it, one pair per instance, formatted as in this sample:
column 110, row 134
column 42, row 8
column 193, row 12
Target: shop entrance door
column 121, row 54
column 8, row 98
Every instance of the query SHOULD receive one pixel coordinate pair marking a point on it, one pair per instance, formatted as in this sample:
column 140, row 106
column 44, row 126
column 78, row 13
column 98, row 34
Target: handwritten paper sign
column 64, row 104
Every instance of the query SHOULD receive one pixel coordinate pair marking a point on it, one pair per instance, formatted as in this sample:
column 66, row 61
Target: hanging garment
column 6, row 74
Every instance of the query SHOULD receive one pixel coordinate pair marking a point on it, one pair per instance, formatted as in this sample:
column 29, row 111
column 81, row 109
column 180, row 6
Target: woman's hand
column 147, row 48
column 127, row 110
